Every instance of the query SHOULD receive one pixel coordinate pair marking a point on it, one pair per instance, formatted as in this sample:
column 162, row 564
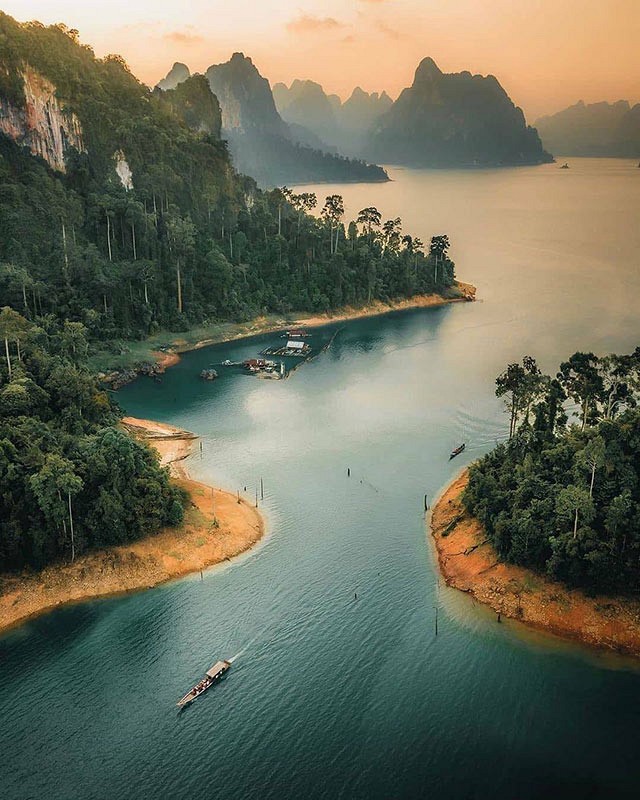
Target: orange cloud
column 308, row 24
column 386, row 29
column 183, row 37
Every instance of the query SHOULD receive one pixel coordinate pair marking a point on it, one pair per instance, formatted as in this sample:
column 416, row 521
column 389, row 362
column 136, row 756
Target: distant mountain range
column 296, row 133
column 598, row 129
column 262, row 144
column 340, row 125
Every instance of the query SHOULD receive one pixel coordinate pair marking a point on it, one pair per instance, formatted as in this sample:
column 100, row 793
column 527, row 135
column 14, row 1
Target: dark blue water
column 331, row 697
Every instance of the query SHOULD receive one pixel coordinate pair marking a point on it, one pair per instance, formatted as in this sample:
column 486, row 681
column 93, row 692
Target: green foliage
column 566, row 501
column 69, row 479
column 192, row 242
column 193, row 102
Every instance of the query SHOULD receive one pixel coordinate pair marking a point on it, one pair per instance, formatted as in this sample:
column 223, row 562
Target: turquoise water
column 331, row 697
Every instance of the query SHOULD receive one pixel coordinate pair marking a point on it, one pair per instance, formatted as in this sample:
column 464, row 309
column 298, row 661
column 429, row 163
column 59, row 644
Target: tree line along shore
column 159, row 352
column 217, row 527
column 132, row 224
column 83, row 490
column 545, row 528
column 468, row 562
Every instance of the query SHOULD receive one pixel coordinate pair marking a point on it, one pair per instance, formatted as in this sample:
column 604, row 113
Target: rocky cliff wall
column 41, row 124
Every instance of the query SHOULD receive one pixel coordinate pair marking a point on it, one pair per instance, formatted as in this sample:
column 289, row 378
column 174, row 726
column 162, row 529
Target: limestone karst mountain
column 262, row 144
column 455, row 119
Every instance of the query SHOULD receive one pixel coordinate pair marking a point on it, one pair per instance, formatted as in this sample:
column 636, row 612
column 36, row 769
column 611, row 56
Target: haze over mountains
column 262, row 144
column 299, row 133
column 340, row 125
column 597, row 129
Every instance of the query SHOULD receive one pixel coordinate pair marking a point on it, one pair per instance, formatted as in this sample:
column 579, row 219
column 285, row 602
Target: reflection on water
column 334, row 697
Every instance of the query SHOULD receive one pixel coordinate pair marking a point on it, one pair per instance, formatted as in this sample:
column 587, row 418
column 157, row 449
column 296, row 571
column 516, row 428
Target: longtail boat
column 212, row 675
column 457, row 451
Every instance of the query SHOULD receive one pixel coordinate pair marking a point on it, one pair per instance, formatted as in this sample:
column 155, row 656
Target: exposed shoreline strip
column 468, row 562
column 461, row 293
column 216, row 529
column 374, row 309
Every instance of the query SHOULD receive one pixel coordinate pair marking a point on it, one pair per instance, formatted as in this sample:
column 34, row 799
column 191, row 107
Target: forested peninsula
column 546, row 527
column 122, row 218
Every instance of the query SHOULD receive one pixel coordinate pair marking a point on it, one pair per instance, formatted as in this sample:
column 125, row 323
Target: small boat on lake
column 565, row 166
column 456, row 451
column 213, row 674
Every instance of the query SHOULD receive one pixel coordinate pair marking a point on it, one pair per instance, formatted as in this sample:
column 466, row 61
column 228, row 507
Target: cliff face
column 262, row 144
column 454, row 120
column 41, row 124
column 245, row 98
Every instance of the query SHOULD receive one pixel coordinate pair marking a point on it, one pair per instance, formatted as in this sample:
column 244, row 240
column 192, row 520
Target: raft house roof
column 216, row 668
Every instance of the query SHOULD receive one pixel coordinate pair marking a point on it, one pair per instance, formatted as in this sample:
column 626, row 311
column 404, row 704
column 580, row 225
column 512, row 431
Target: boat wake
column 243, row 651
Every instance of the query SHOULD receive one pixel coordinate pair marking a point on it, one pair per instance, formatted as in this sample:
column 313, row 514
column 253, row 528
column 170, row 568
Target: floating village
column 269, row 363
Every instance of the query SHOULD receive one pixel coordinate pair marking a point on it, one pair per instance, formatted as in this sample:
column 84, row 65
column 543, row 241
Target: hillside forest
column 147, row 227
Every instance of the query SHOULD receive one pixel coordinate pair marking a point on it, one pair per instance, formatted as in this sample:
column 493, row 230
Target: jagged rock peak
column 427, row 70
column 359, row 92
column 178, row 73
column 240, row 58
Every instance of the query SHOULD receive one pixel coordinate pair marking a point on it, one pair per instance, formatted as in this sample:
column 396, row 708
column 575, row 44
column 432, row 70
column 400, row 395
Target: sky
column 546, row 53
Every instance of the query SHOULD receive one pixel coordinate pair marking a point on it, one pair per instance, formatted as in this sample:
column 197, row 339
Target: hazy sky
column 546, row 53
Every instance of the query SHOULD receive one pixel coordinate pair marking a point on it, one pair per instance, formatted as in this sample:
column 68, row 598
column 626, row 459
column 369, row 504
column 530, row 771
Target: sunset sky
column 546, row 53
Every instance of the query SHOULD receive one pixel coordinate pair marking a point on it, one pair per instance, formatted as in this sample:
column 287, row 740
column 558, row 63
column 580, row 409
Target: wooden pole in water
column 436, row 620
column 256, row 496
column 238, row 495
column 261, row 489
column 426, row 505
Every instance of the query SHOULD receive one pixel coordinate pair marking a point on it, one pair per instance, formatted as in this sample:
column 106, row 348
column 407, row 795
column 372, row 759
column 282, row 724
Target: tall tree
column 332, row 213
column 181, row 234
column 13, row 327
column 54, row 486
column 581, row 379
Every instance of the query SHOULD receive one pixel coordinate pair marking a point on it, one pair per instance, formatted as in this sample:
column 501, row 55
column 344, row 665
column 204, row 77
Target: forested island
column 560, row 498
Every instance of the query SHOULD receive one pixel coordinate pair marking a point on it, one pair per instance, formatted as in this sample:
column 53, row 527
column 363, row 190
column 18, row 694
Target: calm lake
column 333, row 697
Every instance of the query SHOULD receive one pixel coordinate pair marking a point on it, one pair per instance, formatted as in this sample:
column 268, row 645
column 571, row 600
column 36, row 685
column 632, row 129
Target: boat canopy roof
column 215, row 669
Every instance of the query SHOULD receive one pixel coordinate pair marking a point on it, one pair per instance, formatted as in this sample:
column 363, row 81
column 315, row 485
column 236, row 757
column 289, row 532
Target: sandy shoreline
column 467, row 562
column 467, row 292
column 216, row 528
